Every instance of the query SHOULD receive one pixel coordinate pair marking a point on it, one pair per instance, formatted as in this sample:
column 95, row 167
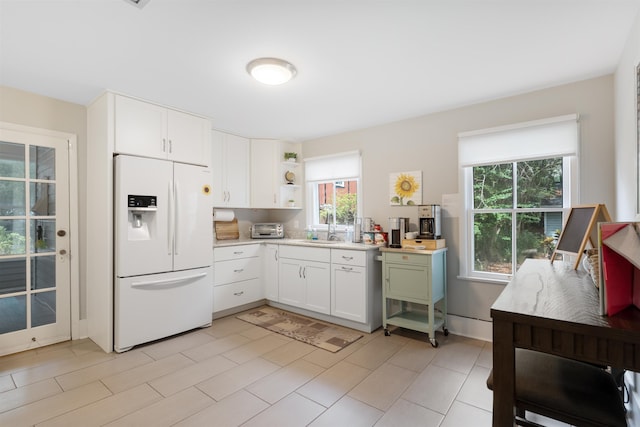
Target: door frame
column 74, row 225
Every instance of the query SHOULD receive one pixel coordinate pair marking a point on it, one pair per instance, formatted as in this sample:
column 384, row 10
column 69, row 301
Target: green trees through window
column 517, row 212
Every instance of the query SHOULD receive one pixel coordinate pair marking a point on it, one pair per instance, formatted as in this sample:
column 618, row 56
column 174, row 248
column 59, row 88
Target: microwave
column 267, row 230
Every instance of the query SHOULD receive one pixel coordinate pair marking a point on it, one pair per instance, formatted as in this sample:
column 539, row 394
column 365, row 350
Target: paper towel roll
column 223, row 215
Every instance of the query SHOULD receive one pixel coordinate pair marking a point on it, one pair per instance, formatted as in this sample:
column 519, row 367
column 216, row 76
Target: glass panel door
column 34, row 267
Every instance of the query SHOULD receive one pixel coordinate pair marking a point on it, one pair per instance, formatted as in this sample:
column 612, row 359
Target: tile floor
column 237, row 374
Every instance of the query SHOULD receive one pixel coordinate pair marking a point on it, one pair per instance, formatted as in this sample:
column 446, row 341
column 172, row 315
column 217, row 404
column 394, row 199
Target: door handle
column 176, row 212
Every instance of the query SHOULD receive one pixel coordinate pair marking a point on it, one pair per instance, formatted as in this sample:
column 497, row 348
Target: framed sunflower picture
column 405, row 188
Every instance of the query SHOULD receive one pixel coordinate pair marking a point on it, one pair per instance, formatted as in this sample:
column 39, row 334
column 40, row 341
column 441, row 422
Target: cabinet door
column 140, row 128
column 264, row 170
column 292, row 286
column 349, row 292
column 230, row 170
column 237, row 171
column 270, row 272
column 318, row 287
column 218, row 191
column 187, row 136
column 407, row 282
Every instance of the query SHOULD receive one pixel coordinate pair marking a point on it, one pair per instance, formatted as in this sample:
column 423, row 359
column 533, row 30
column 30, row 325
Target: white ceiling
column 360, row 62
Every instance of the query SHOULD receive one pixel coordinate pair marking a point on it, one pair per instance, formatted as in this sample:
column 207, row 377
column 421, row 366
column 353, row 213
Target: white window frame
column 332, row 176
column 570, row 197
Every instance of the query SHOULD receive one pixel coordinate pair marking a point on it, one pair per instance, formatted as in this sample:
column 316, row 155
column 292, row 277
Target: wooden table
column 554, row 309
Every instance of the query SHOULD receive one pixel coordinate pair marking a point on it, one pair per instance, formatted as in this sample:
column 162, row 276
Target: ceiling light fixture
column 271, row 71
column 138, row 3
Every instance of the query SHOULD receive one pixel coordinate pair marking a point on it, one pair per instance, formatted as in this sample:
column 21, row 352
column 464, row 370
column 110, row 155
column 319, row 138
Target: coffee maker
column 429, row 221
column 397, row 228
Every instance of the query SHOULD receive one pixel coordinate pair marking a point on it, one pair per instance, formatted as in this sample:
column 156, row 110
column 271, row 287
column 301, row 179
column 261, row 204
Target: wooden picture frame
column 580, row 228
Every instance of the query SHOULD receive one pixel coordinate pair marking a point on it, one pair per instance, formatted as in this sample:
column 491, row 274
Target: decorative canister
column 368, row 238
column 381, row 239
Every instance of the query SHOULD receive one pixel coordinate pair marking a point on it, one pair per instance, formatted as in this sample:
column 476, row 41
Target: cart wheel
column 434, row 342
column 446, row 332
column 387, row 333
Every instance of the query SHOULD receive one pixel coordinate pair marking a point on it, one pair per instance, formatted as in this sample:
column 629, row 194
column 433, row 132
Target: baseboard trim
column 471, row 328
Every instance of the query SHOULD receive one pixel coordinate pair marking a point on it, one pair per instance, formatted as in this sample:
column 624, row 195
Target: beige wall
column 429, row 144
column 33, row 110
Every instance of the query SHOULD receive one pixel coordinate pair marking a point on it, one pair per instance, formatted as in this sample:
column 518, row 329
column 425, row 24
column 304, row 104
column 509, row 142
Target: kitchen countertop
column 410, row 250
column 337, row 244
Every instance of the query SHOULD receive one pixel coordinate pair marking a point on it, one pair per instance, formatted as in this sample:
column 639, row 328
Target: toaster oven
column 267, row 230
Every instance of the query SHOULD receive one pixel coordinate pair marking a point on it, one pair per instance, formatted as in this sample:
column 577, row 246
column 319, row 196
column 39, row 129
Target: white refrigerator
column 163, row 250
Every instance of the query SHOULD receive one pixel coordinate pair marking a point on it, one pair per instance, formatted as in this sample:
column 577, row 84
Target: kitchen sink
column 320, row 242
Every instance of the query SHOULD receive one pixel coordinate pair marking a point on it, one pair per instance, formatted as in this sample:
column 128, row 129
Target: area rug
column 322, row 335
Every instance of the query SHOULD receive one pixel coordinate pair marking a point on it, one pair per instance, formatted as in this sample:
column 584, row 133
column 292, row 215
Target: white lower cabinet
column 342, row 286
column 349, row 285
column 305, row 278
column 237, row 272
column 270, row 276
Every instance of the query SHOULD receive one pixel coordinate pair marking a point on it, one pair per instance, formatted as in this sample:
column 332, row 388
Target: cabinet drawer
column 405, row 258
column 305, row 253
column 236, row 270
column 234, row 252
column 236, row 294
column 346, row 257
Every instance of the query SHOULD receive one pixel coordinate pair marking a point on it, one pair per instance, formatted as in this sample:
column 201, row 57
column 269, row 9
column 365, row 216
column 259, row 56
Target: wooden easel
column 579, row 228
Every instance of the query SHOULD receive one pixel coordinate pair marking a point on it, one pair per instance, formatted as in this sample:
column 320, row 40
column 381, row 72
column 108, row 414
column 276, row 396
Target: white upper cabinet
column 151, row 130
column 265, row 155
column 230, row 157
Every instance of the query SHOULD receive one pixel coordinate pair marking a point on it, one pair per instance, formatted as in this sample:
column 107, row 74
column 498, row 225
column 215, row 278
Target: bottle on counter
column 348, row 234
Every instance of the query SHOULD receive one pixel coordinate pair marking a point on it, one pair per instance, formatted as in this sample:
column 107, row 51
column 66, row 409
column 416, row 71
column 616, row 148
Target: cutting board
column 227, row 230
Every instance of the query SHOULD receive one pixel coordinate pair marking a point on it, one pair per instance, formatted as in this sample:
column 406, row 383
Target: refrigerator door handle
column 167, row 283
column 176, row 211
column 170, row 221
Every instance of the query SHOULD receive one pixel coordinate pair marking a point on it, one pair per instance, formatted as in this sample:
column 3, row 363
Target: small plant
column 290, row 155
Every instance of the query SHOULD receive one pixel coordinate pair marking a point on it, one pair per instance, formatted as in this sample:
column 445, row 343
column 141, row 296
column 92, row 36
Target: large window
column 517, row 182
column 333, row 190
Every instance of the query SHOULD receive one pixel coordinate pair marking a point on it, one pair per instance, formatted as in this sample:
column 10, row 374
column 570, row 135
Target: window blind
column 553, row 137
column 333, row 167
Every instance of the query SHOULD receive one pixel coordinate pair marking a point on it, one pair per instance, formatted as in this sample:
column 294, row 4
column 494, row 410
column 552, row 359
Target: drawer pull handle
column 240, row 270
column 238, row 293
column 347, row 268
column 238, row 252
column 347, row 258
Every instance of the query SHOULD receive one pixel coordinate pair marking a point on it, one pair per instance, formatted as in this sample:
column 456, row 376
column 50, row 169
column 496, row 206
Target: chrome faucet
column 331, row 233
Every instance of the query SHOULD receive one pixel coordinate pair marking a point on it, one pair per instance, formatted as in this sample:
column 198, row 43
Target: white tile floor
column 234, row 373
